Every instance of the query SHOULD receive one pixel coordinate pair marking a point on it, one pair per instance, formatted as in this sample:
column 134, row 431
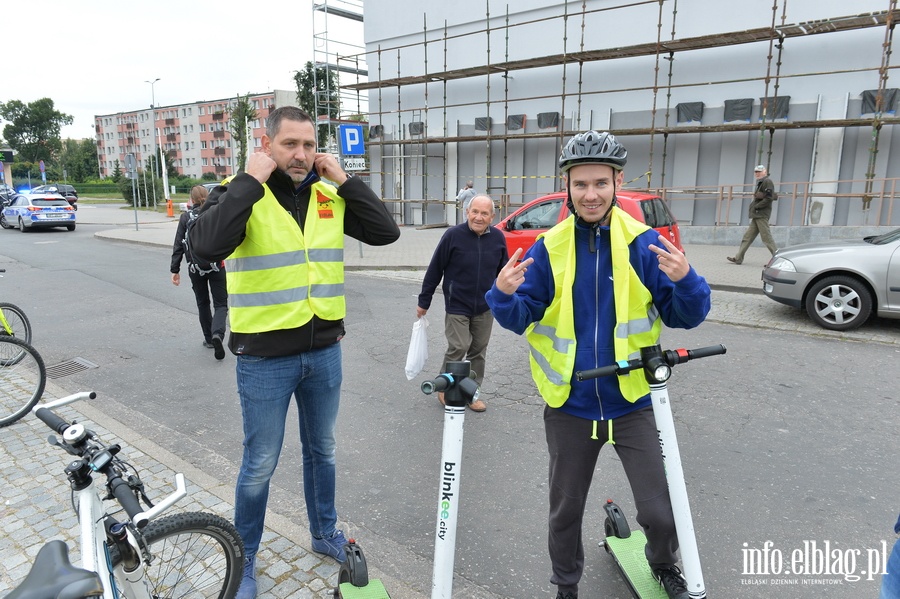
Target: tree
column 79, row 159
column 171, row 171
column 317, row 87
column 242, row 114
column 117, row 171
column 33, row 129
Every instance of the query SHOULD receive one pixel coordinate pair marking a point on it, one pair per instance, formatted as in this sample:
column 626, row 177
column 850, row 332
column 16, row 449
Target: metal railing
column 805, row 200
column 799, row 203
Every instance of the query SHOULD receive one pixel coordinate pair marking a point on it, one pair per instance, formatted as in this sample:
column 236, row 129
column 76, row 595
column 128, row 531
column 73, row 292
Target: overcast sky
column 92, row 57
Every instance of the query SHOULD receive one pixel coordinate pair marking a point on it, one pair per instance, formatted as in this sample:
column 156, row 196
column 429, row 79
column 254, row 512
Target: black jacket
column 220, row 228
column 763, row 196
column 468, row 263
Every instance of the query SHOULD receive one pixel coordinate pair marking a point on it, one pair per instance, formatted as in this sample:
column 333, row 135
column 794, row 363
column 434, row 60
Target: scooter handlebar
column 671, row 356
column 441, row 383
column 705, row 352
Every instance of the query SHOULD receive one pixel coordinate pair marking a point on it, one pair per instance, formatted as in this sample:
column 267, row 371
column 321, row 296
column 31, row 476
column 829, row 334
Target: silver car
column 838, row 283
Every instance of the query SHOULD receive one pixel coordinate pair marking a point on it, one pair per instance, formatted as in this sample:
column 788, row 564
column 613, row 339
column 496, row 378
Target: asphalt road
column 790, row 438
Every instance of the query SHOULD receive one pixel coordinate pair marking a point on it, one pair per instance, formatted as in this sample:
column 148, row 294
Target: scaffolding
column 429, row 137
column 339, row 59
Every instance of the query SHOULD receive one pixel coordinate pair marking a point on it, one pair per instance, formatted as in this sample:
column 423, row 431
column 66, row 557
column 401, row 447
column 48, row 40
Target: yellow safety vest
column 552, row 339
column 280, row 276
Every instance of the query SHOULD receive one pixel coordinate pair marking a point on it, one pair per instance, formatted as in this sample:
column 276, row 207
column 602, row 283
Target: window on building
column 775, row 108
column 888, row 101
column 738, row 110
column 687, row 112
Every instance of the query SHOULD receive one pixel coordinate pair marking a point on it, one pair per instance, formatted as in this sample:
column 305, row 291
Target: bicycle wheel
column 22, row 379
column 14, row 322
column 195, row 554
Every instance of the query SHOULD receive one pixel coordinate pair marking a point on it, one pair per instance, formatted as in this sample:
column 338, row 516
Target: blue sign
column 351, row 140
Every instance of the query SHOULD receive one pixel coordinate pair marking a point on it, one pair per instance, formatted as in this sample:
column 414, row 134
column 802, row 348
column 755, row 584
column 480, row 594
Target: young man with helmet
column 624, row 281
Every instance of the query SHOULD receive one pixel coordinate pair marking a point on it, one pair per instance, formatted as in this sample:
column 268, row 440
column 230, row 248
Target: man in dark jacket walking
column 760, row 212
column 467, row 258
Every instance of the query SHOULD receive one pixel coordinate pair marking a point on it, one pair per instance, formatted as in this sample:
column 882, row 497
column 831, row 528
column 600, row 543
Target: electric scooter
column 459, row 389
column 624, row 545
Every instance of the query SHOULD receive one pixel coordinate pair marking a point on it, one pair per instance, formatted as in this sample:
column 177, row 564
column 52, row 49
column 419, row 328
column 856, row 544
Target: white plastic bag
column 418, row 349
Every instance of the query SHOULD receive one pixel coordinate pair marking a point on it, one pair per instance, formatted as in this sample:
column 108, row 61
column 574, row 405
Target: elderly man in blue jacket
column 467, row 258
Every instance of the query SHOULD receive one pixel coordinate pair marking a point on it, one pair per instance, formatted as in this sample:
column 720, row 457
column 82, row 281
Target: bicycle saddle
column 52, row 575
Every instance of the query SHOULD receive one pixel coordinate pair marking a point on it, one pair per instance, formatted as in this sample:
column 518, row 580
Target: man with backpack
column 760, row 212
column 206, row 279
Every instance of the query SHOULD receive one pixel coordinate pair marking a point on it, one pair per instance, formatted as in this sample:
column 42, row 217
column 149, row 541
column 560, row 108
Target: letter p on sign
column 351, row 137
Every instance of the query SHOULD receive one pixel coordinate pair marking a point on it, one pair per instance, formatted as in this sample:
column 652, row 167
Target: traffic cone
column 169, row 210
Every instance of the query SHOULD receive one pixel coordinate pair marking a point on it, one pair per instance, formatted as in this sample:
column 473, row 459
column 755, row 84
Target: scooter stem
column 448, row 497
column 681, row 509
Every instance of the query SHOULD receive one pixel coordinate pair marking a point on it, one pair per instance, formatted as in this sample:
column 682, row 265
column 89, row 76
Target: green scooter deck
column 373, row 590
column 632, row 562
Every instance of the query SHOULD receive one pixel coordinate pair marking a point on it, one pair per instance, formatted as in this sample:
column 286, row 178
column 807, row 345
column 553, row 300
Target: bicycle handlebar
column 126, row 498
column 670, row 356
column 101, row 460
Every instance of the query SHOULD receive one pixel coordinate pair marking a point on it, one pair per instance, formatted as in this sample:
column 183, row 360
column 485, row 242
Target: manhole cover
column 69, row 367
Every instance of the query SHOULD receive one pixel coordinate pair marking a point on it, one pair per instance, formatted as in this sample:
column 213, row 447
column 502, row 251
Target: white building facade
column 698, row 91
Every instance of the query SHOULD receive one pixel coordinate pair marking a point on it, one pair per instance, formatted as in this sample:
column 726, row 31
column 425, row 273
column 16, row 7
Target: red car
column 522, row 227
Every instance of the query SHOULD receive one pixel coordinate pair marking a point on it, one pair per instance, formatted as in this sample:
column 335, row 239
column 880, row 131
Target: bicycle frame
column 93, row 521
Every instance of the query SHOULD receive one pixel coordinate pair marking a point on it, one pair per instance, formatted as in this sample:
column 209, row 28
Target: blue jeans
column 266, row 386
column 890, row 583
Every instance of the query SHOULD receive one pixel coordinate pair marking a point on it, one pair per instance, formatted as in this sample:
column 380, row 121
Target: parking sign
column 351, row 139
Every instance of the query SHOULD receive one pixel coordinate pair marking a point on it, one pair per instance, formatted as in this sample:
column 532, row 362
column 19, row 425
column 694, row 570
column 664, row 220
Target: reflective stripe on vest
column 280, row 276
column 552, row 340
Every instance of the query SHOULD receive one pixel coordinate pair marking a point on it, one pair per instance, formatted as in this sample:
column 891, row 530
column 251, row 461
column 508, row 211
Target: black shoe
column 734, row 260
column 569, row 595
column 217, row 345
column 671, row 580
column 208, row 345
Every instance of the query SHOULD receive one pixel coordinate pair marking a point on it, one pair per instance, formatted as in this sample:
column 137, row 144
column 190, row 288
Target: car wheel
column 22, row 225
column 3, row 222
column 70, row 227
column 839, row 303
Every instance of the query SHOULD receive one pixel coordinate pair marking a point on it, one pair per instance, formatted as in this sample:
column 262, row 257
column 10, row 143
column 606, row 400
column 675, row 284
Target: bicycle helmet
column 591, row 146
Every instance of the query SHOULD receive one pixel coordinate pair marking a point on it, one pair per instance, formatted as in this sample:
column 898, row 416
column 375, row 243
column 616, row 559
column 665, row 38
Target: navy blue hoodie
column 468, row 263
column 684, row 304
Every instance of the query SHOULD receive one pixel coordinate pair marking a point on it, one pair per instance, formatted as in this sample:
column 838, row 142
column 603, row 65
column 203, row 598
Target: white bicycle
column 193, row 554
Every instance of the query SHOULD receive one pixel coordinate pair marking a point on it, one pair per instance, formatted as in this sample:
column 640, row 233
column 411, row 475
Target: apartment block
column 195, row 136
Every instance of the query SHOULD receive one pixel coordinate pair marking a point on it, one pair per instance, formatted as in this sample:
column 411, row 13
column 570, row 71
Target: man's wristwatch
column 349, row 176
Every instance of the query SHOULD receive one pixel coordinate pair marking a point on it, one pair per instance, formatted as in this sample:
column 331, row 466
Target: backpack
column 196, row 264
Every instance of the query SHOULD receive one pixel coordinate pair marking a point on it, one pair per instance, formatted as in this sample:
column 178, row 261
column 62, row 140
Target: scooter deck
column 373, row 590
column 632, row 562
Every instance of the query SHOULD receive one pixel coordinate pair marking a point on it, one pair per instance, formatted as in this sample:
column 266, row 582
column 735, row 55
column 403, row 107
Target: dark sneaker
column 217, row 345
column 247, row 590
column 333, row 546
column 208, row 345
column 671, row 580
column 569, row 595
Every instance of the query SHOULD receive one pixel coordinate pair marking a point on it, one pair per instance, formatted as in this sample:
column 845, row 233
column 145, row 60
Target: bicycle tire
column 23, row 377
column 18, row 322
column 195, row 554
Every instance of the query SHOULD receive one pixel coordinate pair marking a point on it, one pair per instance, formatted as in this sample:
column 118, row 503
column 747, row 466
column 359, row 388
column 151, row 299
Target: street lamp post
column 156, row 135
